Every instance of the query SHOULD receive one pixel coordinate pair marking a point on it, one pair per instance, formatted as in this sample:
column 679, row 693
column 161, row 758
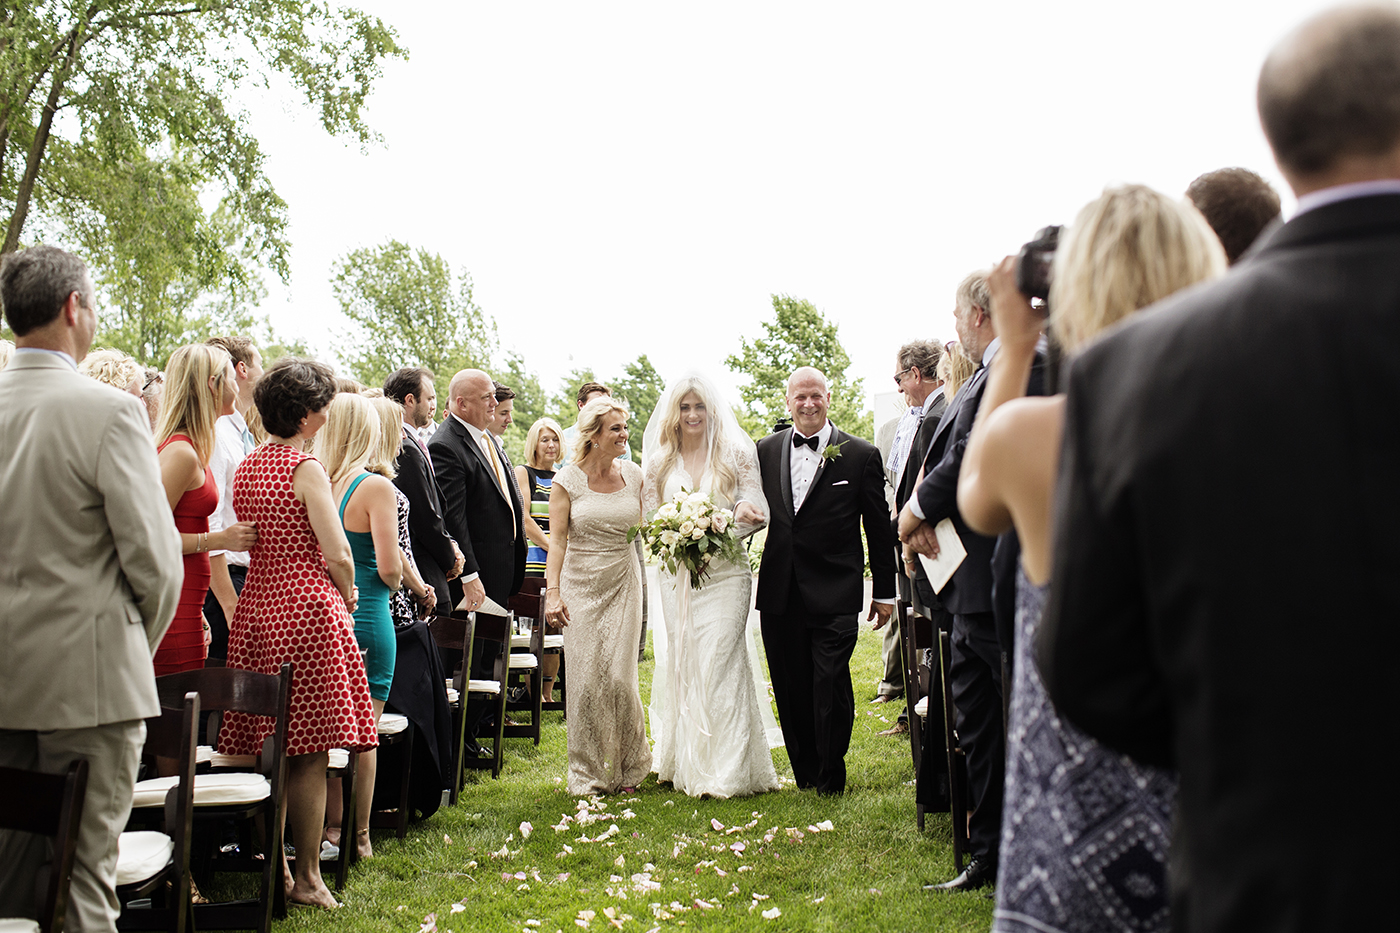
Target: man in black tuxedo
column 1223, row 600
column 822, row 485
column 975, row 672
column 436, row 554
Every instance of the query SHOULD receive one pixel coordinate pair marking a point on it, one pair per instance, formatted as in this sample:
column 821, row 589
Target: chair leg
column 405, row 778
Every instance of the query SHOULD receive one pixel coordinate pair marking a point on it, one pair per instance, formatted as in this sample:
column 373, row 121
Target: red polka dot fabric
column 290, row 611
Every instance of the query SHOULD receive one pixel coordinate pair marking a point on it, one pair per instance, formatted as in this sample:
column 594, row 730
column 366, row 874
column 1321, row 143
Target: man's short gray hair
column 974, row 292
column 35, row 283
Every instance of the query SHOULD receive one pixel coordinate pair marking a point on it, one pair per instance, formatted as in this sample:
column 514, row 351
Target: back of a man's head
column 401, row 383
column 237, row 346
column 1331, row 89
column 1237, row 203
column 35, row 282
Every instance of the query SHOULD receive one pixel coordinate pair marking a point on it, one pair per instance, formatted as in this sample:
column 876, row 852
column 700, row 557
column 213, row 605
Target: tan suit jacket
column 91, row 571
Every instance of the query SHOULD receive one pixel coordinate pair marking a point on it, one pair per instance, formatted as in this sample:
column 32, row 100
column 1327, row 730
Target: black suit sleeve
column 452, row 480
column 879, row 535
column 1094, row 649
column 424, row 520
column 938, row 493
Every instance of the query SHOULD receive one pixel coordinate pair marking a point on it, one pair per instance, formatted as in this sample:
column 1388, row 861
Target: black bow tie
column 799, row 441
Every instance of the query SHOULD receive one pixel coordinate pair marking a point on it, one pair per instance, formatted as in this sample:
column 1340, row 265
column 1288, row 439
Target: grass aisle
column 664, row 862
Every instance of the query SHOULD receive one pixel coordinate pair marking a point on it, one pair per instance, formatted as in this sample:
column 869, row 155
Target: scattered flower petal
column 819, row 899
column 525, row 830
column 446, row 839
column 772, row 914
column 718, row 826
column 704, row 905
column 620, row 861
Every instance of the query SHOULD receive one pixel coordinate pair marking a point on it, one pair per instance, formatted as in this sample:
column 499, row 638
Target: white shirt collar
column 991, row 351
column 478, row 433
column 58, row 353
column 238, row 421
column 1360, row 189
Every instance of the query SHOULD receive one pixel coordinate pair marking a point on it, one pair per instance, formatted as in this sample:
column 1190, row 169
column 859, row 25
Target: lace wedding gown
column 707, row 724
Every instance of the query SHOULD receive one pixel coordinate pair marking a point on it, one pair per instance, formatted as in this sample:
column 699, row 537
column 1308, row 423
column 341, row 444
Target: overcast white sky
column 639, row 178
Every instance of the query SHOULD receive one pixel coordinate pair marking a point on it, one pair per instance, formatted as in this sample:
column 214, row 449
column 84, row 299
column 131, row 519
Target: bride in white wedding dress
column 707, row 698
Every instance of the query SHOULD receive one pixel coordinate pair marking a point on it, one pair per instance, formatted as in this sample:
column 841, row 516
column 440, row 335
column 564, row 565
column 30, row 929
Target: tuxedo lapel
column 836, row 438
column 785, row 474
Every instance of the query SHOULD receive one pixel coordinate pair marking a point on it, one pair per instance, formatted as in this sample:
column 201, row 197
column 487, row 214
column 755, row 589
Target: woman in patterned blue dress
column 1085, row 830
column 536, row 479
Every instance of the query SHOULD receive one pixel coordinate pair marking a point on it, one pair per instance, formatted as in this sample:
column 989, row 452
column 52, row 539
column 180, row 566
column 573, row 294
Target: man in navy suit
column 822, row 485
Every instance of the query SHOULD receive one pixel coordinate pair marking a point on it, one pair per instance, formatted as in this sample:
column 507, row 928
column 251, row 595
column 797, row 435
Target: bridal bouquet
column 687, row 533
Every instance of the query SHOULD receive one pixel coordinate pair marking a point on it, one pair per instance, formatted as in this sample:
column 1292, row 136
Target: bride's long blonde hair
column 723, row 479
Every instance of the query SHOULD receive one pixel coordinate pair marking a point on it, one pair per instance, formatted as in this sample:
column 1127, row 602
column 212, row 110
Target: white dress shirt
column 229, row 451
column 805, row 462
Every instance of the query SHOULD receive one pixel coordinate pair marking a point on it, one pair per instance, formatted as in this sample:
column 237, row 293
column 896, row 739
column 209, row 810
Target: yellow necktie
column 486, row 448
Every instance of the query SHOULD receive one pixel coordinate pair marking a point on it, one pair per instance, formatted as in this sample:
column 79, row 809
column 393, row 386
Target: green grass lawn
column 664, row 864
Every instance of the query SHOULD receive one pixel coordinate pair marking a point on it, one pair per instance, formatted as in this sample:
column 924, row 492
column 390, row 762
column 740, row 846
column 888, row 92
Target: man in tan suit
column 89, row 580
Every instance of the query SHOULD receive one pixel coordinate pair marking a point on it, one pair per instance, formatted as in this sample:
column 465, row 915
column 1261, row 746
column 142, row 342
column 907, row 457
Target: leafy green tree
column 799, row 335
column 641, row 386
column 116, row 131
column 407, row 312
column 531, row 400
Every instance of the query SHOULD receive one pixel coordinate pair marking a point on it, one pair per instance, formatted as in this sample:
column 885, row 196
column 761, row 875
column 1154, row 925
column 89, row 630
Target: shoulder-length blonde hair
column 188, row 406
column 532, row 442
column 722, row 477
column 954, row 369
column 1128, row 248
column 590, row 423
column 384, row 459
column 350, row 438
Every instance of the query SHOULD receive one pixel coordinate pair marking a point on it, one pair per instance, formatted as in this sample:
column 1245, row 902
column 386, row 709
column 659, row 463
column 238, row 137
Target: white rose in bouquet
column 697, row 534
column 687, row 527
column 720, row 520
column 703, row 522
column 698, row 498
column 670, row 538
column 667, row 511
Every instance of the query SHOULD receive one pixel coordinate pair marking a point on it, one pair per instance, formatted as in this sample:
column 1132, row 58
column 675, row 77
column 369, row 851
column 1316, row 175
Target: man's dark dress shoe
column 978, row 874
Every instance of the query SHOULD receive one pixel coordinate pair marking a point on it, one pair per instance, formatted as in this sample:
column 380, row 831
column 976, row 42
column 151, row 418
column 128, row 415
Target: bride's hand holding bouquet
column 687, row 533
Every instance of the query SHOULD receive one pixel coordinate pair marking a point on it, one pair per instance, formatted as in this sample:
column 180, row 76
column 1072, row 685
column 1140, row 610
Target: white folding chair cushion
column 452, row 696
column 141, row 855
column 203, row 754
column 217, row 760
column 520, row 640
column 520, row 661
column 483, row 686
column 553, row 641
column 16, row 925
column 339, row 758
column 392, row 723
column 921, row 708
column 210, row 790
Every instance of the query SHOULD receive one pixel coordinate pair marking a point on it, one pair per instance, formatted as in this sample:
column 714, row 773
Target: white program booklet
column 490, row 607
column 950, row 555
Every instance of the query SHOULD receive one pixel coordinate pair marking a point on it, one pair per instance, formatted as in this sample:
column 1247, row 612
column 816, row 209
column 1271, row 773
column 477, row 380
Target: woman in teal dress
column 369, row 514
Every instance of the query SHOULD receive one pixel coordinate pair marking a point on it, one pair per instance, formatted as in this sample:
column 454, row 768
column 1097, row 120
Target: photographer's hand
column 1016, row 322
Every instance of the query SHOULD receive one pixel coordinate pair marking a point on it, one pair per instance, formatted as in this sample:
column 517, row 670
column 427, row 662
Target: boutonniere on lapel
column 832, row 452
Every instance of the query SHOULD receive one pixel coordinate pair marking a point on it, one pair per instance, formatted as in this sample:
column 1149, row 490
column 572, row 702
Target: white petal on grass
column 825, row 826
column 525, row 830
column 458, row 908
column 818, row 900
column 772, row 913
column 760, row 897
column 718, row 826
column 446, row 839
column 620, row 861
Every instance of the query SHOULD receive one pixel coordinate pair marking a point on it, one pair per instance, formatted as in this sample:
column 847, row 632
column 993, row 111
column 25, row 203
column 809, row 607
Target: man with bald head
column 822, row 485
column 481, row 506
column 1176, row 630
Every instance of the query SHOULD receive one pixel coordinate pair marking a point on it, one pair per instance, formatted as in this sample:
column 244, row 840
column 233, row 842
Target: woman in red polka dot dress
column 296, row 607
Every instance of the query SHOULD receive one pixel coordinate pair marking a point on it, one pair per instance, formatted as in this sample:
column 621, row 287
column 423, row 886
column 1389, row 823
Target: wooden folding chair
column 154, row 867
column 396, row 732
column 47, row 805
column 343, row 768
column 230, row 689
column 495, row 632
column 524, row 659
column 456, row 632
column 957, row 786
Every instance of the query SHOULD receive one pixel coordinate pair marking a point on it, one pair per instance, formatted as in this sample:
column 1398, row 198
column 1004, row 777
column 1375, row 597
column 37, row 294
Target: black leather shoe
column 978, row 874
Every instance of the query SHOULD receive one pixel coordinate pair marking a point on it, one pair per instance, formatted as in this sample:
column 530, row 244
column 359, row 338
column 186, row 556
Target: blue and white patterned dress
column 1085, row 830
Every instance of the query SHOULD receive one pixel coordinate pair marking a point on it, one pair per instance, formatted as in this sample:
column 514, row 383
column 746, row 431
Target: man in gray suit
column 90, row 578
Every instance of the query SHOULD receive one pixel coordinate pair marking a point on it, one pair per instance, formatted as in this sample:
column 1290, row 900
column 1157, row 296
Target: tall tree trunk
column 41, row 141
